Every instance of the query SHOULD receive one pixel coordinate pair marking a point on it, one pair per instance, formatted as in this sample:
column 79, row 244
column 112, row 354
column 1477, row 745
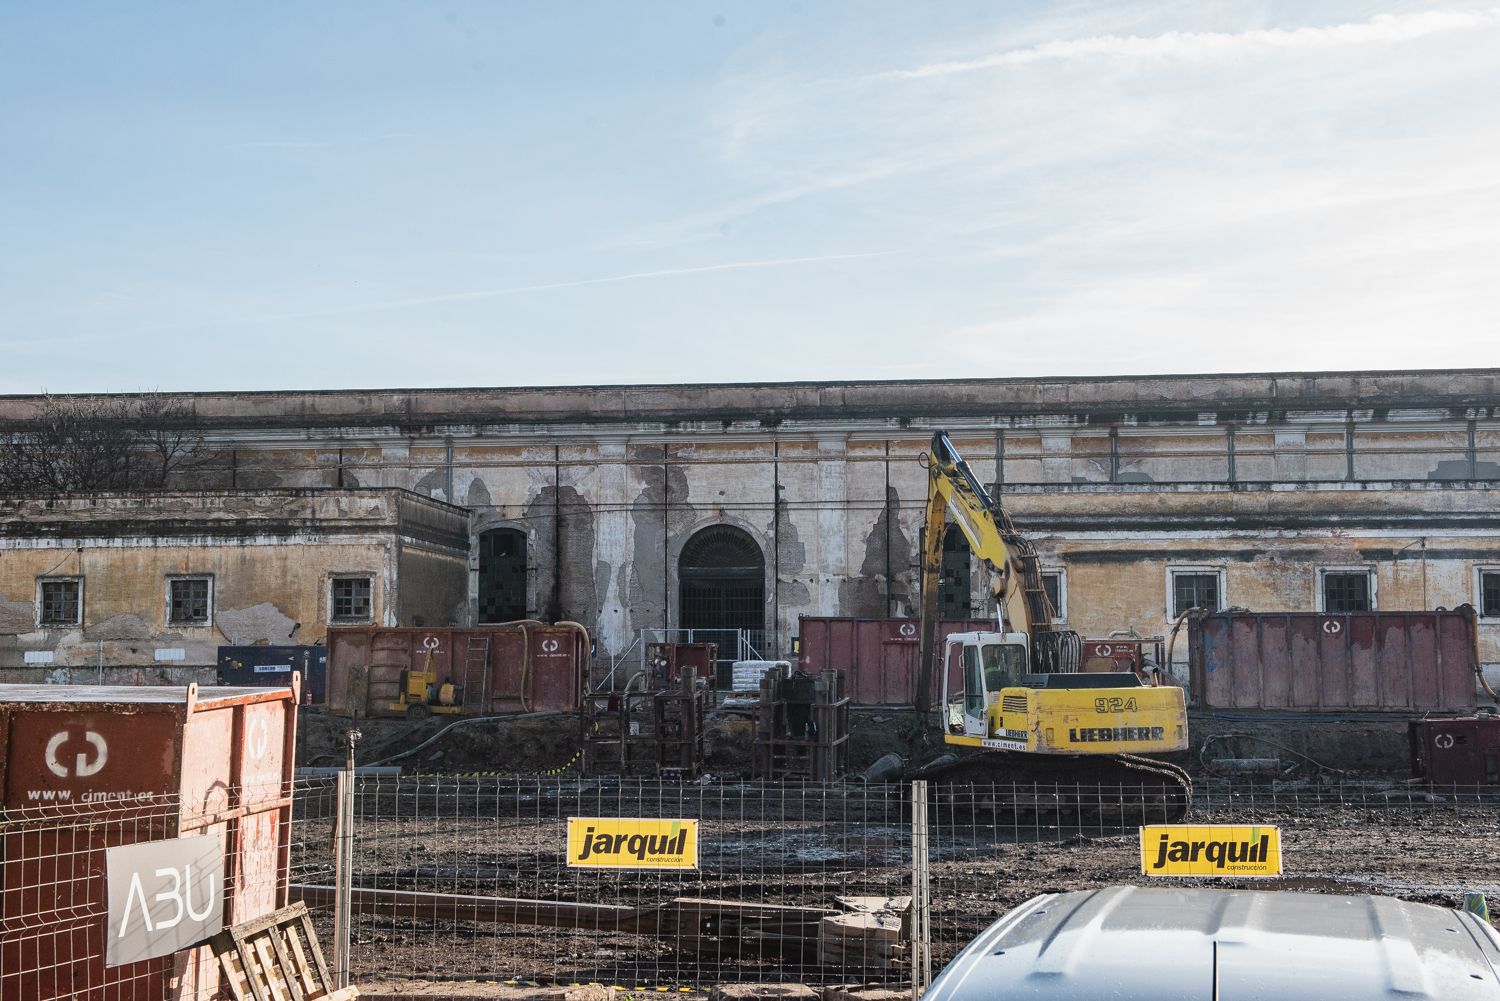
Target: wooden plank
column 875, row 905
column 305, row 970
column 223, row 947
column 763, row 928
column 312, row 943
column 245, row 929
column 246, row 954
column 261, row 945
column 266, row 959
column 496, row 910
column 289, row 971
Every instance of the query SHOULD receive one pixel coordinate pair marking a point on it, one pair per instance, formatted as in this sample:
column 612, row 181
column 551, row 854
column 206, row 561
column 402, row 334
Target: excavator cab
column 977, row 667
column 991, row 700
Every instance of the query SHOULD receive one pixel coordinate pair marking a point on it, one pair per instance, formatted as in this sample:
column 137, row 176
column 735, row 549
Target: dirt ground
column 500, row 838
column 546, row 743
column 455, row 824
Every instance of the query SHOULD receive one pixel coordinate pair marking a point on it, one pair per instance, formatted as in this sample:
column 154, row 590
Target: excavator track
column 1106, row 791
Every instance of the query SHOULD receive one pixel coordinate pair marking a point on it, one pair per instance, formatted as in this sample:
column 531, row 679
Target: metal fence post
column 343, row 864
column 921, row 928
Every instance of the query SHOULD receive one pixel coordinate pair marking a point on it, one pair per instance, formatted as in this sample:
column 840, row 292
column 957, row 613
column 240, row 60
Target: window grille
column 188, row 601
column 351, row 599
column 61, row 602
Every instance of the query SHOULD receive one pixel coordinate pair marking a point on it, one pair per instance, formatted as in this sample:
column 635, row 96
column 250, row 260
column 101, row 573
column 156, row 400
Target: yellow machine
column 1018, row 691
column 421, row 694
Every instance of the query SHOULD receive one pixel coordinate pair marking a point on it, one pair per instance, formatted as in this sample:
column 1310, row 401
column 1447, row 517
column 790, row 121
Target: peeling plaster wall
column 562, row 552
column 270, row 592
column 872, row 540
column 665, row 515
column 270, row 557
column 1266, row 477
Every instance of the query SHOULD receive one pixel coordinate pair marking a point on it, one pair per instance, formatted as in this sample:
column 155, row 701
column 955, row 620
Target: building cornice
column 1257, row 398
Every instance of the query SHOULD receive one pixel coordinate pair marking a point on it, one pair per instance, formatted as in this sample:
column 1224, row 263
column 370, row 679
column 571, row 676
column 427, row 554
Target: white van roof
column 1129, row 943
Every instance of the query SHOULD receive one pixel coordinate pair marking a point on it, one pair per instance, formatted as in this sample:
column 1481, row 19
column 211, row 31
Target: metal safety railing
column 733, row 645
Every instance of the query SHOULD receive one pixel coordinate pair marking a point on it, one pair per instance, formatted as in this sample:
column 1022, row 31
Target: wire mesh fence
column 105, row 897
column 1429, row 845
column 470, row 877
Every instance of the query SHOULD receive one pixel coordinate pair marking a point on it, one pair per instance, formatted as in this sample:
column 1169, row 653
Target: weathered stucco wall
column 269, row 556
column 1264, row 478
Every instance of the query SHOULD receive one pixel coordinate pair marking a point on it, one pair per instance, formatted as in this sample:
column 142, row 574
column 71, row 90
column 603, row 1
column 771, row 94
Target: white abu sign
column 163, row 896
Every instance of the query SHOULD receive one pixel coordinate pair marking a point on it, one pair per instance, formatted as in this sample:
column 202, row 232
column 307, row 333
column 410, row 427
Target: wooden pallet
column 276, row 958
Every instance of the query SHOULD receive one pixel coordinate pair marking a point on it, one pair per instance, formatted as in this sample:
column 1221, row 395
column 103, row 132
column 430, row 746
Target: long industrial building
column 742, row 507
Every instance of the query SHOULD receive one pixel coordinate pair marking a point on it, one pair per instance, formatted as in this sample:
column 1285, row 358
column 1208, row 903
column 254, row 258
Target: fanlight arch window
column 722, row 573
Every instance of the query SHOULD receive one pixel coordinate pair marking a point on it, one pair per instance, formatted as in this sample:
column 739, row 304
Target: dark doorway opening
column 502, row 575
column 723, row 582
column 953, row 587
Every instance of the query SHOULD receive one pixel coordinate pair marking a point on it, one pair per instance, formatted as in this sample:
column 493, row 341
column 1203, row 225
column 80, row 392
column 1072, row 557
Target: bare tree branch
column 77, row 444
column 169, row 431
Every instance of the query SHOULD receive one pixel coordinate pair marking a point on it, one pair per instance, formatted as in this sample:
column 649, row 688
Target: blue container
column 272, row 667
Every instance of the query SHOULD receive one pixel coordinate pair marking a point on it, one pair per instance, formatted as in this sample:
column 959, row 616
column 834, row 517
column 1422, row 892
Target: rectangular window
column 1055, row 583
column 188, row 600
column 59, row 601
column 1195, row 587
column 1346, row 591
column 1489, row 593
column 350, row 599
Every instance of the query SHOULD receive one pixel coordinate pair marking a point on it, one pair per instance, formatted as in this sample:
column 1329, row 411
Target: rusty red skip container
column 878, row 657
column 87, row 768
column 1311, row 661
column 503, row 669
column 1462, row 751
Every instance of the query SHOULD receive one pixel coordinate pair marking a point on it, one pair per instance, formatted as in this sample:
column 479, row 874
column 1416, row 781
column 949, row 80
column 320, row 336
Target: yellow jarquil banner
column 1211, row 850
column 632, row 843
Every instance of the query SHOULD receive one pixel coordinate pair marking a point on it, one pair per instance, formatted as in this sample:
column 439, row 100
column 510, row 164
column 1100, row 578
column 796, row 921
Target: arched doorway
column 502, row 575
column 954, row 584
column 722, row 573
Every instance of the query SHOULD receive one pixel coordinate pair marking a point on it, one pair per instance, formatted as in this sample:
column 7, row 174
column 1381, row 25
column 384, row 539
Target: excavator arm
column 1059, row 730
column 1021, row 601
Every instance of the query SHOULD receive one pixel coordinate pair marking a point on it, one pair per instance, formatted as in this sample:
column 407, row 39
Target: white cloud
column 1383, row 29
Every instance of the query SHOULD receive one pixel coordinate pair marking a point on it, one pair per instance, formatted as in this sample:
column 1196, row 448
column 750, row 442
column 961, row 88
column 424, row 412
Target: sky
column 215, row 196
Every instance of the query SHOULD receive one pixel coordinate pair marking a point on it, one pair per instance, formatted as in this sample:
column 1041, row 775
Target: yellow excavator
column 1017, row 694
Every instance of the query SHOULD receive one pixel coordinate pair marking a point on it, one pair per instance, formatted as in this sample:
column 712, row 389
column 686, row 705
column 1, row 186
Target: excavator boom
column 1021, row 598
column 1017, row 695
